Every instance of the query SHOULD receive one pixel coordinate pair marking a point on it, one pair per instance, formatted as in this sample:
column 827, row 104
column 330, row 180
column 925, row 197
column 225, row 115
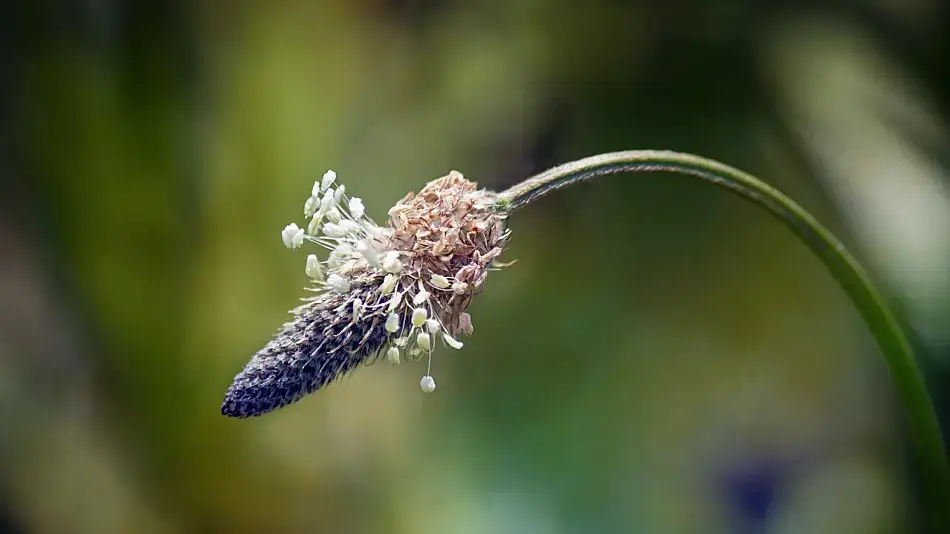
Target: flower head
column 389, row 290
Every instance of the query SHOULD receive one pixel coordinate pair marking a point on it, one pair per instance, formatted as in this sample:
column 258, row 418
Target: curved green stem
column 887, row 332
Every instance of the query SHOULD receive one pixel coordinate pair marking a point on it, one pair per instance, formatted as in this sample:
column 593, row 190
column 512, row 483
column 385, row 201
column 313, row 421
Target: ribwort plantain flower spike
column 442, row 242
column 383, row 291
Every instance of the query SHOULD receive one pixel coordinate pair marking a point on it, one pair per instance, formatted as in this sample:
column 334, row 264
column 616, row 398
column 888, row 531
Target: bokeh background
column 664, row 358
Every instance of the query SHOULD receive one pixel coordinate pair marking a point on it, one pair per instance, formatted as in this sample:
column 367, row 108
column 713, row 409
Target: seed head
column 383, row 290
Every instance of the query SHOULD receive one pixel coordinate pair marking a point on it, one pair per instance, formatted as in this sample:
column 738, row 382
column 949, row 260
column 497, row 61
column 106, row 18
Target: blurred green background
column 664, row 358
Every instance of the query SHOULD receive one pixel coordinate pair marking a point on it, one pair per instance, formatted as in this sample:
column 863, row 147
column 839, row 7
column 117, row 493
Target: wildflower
column 382, row 291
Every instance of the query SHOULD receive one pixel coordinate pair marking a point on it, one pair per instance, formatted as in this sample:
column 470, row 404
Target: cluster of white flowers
column 358, row 246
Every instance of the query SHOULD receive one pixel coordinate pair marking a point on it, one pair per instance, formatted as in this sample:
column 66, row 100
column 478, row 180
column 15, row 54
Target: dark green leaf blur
column 663, row 358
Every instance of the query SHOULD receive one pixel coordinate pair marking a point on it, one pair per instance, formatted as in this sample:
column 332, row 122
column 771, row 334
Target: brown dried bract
column 451, row 229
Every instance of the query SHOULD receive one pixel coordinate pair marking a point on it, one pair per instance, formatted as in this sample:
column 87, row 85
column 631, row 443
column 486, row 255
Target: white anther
column 392, row 323
column 339, row 255
column 389, row 283
column 356, row 207
column 370, row 254
column 326, row 203
column 395, row 302
column 420, row 297
column 427, row 384
column 433, row 326
column 333, row 230
column 338, row 283
column 390, row 262
column 357, row 308
column 334, row 215
column 292, row 235
column 338, row 194
column 419, row 316
column 424, row 341
column 350, row 227
column 328, row 178
column 373, row 230
column 313, row 269
column 451, row 341
column 393, row 355
column 310, row 206
column 314, row 224
column 440, row 281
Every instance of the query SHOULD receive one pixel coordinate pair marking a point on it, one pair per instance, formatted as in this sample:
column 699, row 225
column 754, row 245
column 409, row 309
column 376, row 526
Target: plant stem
column 921, row 417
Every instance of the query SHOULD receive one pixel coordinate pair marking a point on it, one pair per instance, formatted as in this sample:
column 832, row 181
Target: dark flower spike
column 383, row 290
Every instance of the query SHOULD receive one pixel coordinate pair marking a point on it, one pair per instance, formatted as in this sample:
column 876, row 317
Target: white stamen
column 395, row 302
column 420, row 297
column 419, row 316
column 313, row 269
column 314, row 225
column 451, row 341
column 350, row 227
column 373, row 230
column 338, row 194
column 315, row 191
column 433, row 326
column 389, row 283
column 338, row 283
column 310, row 206
column 328, row 178
column 339, row 255
column 371, row 256
column 427, row 384
column 356, row 207
column 401, row 341
column 334, row 215
column 357, row 308
column 325, row 204
column 440, row 281
column 292, row 235
column 392, row 323
column 390, row 262
column 393, row 355
column 333, row 230
column 424, row 341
